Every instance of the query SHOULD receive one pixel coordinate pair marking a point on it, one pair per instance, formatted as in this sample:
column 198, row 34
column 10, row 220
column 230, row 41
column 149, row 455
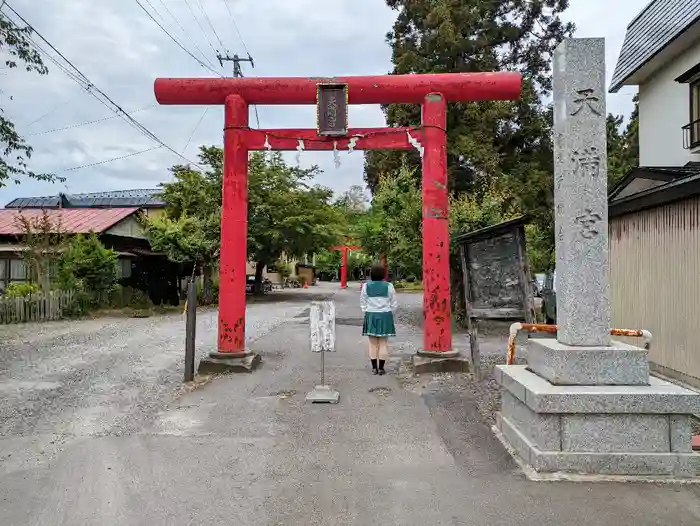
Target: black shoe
column 381, row 367
column 374, row 367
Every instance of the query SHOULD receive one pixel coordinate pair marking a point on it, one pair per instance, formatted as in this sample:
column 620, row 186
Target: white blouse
column 379, row 304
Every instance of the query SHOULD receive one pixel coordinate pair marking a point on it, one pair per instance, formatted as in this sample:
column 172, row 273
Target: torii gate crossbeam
column 432, row 91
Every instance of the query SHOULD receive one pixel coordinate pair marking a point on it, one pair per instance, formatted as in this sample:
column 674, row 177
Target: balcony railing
column 691, row 135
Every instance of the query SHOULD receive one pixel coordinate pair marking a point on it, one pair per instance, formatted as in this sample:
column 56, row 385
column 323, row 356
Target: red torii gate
column 344, row 249
column 432, row 91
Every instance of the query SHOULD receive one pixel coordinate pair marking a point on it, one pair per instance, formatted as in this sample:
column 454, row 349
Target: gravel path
column 64, row 380
column 493, row 339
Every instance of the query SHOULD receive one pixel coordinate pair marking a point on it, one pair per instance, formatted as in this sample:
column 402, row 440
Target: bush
column 21, row 290
column 120, row 297
column 88, row 265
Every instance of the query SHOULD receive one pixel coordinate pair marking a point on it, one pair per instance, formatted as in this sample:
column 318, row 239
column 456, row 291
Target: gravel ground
column 493, row 339
column 64, row 380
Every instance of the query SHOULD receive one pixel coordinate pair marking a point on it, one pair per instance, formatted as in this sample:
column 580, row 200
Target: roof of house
column 661, row 186
column 120, row 198
column 659, row 24
column 72, row 220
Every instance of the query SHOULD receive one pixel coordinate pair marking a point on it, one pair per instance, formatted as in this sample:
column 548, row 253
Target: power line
column 201, row 7
column 112, row 159
column 194, row 130
column 155, row 10
column 175, row 40
column 200, row 26
column 94, row 90
column 43, row 116
column 235, row 26
column 186, row 34
column 88, row 122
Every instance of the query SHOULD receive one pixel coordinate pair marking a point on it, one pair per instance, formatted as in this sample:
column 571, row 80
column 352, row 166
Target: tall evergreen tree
column 439, row 36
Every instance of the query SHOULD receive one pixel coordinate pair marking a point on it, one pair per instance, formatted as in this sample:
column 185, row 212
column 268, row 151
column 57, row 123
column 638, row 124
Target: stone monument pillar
column 584, row 403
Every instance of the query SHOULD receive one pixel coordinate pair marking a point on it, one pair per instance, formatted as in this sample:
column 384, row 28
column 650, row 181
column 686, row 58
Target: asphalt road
column 89, row 437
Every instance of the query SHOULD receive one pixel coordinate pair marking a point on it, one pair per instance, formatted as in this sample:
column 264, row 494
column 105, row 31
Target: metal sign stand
column 322, row 339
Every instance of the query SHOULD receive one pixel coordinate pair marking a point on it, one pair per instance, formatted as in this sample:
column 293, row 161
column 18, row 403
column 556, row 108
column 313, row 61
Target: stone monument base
column 219, row 362
column 602, row 430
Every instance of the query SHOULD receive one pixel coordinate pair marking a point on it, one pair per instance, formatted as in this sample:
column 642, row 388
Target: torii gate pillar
column 331, row 97
column 344, row 249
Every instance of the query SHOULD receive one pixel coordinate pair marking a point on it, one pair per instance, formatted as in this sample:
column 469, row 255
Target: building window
column 123, row 268
column 18, row 270
column 692, row 139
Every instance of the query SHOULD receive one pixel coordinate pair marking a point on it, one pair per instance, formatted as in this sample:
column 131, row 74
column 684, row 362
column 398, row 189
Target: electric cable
column 95, row 91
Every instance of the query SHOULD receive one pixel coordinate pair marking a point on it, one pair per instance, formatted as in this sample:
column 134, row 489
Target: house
column 117, row 228
column 654, row 211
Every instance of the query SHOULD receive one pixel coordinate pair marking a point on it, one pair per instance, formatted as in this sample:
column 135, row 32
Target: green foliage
column 17, row 47
column 44, row 239
column 186, row 238
column 328, row 261
column 285, row 214
column 20, row 290
column 393, row 224
column 88, row 266
column 623, row 145
column 488, row 137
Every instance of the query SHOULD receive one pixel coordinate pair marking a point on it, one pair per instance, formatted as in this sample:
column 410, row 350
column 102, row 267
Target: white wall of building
column 664, row 108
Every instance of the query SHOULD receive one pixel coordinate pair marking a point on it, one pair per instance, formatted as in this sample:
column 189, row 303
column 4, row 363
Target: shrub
column 88, row 265
column 21, row 290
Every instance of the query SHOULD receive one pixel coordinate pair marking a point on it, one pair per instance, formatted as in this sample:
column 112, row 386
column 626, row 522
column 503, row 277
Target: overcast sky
column 121, row 50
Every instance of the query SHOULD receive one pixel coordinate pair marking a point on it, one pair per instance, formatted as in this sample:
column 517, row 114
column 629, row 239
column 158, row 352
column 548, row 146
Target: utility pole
column 237, row 72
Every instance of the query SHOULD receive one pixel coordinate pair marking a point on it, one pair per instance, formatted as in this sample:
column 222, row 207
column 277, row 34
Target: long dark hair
column 377, row 272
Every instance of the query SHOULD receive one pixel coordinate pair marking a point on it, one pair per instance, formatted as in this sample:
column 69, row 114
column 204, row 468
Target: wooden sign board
column 332, row 109
column 497, row 283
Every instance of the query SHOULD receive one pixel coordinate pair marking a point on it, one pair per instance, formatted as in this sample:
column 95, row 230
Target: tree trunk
column 259, row 267
column 207, row 285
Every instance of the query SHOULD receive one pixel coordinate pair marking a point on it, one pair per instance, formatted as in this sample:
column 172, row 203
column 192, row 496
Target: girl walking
column 378, row 303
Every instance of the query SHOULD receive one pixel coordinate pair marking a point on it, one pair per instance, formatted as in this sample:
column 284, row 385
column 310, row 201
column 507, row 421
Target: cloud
column 122, row 51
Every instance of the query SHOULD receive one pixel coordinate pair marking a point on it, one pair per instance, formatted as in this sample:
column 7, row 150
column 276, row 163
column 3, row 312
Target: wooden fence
column 54, row 305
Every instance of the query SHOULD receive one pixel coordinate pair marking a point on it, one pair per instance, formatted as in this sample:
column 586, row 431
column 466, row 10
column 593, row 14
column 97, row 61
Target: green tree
column 328, row 261
column 623, row 144
column 392, row 227
column 87, row 265
column 190, row 231
column 44, row 239
column 16, row 45
column 286, row 215
column 476, row 36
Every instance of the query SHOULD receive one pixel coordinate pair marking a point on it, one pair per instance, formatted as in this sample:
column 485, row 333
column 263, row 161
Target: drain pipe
column 515, row 328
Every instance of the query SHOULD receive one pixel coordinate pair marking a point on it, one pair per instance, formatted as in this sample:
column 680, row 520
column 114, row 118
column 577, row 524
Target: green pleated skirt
column 379, row 324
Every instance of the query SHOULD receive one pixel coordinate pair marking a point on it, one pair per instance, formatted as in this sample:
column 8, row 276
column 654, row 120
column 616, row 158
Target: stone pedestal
column 598, row 429
column 447, row 362
column 219, row 362
column 615, row 364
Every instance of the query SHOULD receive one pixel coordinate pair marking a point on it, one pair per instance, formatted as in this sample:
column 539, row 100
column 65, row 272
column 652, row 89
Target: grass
column 405, row 286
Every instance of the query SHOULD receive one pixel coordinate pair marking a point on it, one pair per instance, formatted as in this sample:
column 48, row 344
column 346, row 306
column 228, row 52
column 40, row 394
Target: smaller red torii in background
column 344, row 249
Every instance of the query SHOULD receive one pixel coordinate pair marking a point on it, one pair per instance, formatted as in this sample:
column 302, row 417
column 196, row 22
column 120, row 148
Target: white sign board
column 322, row 326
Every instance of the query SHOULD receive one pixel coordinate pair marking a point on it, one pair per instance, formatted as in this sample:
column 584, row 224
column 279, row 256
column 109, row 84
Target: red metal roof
column 72, row 220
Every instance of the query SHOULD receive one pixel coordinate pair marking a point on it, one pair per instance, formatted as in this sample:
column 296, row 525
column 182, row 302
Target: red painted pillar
column 386, row 267
column 344, row 268
column 437, row 337
column 234, row 228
